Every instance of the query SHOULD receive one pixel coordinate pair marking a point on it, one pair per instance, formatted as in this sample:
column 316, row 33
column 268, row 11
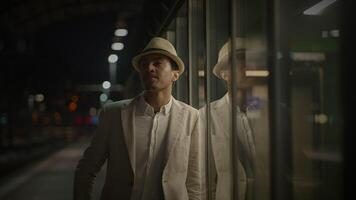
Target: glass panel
column 197, row 51
column 177, row 34
column 315, row 105
column 182, row 87
column 307, row 126
column 216, row 113
column 248, row 86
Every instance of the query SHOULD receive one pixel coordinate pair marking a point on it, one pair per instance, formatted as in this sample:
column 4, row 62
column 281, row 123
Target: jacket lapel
column 128, row 120
column 222, row 112
column 173, row 132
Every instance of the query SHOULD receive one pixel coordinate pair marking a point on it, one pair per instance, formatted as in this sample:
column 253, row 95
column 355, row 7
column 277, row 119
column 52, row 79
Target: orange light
column 72, row 106
column 35, row 117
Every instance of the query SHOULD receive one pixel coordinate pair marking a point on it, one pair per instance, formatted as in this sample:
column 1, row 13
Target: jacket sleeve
column 194, row 175
column 91, row 162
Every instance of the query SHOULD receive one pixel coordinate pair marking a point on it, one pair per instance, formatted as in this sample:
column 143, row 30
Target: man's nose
column 151, row 67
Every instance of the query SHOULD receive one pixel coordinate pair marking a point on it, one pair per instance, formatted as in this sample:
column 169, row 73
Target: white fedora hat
column 224, row 55
column 160, row 46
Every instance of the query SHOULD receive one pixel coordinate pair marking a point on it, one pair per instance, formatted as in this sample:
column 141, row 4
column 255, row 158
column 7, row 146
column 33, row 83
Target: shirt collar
column 144, row 108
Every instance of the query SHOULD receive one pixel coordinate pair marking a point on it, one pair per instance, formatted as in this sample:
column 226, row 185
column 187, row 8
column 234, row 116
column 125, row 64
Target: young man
column 221, row 132
column 150, row 143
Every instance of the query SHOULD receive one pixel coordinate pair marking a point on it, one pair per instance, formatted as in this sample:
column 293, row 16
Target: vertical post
column 278, row 61
column 207, row 84
column 236, row 29
column 196, row 45
column 190, row 52
column 182, row 46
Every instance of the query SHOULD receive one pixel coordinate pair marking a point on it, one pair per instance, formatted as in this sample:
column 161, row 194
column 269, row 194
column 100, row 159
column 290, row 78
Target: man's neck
column 157, row 99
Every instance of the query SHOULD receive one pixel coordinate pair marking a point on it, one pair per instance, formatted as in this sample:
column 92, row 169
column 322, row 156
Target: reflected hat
column 160, row 46
column 224, row 55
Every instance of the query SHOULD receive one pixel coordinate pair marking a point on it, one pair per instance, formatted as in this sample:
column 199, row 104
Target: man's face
column 156, row 72
column 240, row 78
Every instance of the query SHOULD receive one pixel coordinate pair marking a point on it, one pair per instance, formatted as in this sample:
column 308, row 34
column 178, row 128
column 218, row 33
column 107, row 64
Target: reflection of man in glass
column 221, row 130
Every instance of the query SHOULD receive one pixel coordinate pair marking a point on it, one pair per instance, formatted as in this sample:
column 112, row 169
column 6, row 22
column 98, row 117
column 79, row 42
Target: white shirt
column 150, row 144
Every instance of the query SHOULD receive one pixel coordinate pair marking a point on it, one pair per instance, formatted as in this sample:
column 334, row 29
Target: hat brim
column 218, row 67
column 176, row 59
column 223, row 64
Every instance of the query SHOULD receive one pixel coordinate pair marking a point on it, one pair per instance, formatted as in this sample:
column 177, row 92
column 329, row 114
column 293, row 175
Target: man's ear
column 175, row 75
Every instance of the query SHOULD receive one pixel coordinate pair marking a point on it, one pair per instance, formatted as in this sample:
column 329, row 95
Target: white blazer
column 114, row 142
column 220, row 112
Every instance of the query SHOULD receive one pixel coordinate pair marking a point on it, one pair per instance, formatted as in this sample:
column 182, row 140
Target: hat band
column 155, row 49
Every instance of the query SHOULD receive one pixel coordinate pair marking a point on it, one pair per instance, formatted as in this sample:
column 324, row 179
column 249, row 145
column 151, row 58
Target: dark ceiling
column 54, row 47
column 50, row 44
column 31, row 15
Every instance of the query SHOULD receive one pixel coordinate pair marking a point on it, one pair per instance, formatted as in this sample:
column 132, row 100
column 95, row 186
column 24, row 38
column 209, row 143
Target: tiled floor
column 49, row 179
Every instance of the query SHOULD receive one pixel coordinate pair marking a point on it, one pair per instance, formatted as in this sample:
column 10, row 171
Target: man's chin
column 151, row 88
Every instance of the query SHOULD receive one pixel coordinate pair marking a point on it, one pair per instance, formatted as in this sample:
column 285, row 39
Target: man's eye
column 156, row 63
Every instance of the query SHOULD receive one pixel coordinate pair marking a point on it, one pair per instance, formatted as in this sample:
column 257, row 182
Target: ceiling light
column 318, row 8
column 121, row 32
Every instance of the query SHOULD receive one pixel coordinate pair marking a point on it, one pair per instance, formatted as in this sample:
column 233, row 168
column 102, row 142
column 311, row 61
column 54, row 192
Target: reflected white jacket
column 221, row 149
column 114, row 141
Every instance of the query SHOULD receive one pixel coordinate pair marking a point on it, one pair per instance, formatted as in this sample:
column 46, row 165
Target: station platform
column 49, row 178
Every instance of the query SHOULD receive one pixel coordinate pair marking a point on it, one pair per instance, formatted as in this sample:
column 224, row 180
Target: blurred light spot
column 94, row 120
column 201, row 73
column 31, row 100
column 324, row 34
column 35, row 117
column 72, row 106
column 318, row 8
column 78, row 120
column 121, row 32
column 3, row 119
column 103, row 97
column 39, row 97
column 257, row 73
column 117, row 46
column 106, row 84
column 323, row 156
column 307, row 56
column 87, row 120
column 321, row 118
column 113, row 58
column 279, row 55
column 92, row 111
column 335, row 33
